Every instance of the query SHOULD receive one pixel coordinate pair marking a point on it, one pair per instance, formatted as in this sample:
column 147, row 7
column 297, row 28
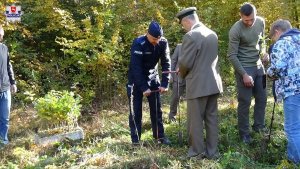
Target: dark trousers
column 244, row 100
column 155, row 115
column 175, row 97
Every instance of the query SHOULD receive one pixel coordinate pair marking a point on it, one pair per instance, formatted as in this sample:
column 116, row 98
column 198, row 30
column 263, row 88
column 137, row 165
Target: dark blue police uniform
column 143, row 75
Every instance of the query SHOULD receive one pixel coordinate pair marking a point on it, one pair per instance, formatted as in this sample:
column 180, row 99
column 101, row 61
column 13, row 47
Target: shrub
column 58, row 107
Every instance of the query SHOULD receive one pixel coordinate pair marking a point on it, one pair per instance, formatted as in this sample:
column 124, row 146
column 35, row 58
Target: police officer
column 146, row 51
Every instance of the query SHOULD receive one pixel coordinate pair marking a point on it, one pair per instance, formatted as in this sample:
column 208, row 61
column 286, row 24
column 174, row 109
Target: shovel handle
column 167, row 72
column 154, row 91
column 272, row 119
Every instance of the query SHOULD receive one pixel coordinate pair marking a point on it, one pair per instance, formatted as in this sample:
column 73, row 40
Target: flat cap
column 155, row 29
column 185, row 12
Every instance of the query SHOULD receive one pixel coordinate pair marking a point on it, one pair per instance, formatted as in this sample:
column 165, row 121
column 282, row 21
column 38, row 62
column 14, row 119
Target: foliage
column 24, row 157
column 58, row 107
column 84, row 45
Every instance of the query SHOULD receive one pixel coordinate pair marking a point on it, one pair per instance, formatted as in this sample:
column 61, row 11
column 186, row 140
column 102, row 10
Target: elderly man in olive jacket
column 198, row 64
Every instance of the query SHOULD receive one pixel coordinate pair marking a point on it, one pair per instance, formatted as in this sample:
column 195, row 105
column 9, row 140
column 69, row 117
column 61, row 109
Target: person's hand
column 177, row 71
column 162, row 89
column 147, row 92
column 265, row 59
column 272, row 77
column 13, row 88
column 248, row 81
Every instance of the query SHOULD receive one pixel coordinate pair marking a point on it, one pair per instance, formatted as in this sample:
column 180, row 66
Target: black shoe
column 164, row 141
column 172, row 117
column 246, row 139
column 135, row 144
column 197, row 157
column 262, row 131
column 216, row 156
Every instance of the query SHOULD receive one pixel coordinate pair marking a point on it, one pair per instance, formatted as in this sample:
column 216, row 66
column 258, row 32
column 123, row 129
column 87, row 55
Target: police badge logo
column 13, row 13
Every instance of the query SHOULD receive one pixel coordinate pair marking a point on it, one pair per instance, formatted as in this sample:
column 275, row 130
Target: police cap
column 185, row 12
column 155, row 29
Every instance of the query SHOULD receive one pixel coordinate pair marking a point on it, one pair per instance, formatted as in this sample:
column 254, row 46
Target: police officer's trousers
column 135, row 117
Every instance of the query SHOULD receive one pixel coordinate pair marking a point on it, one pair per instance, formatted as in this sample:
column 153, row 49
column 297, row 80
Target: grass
column 107, row 143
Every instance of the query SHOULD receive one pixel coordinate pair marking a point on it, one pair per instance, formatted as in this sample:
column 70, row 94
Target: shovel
column 180, row 137
column 271, row 124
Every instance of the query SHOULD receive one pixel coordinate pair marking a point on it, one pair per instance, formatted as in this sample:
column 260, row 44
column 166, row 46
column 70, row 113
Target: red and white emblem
column 13, row 9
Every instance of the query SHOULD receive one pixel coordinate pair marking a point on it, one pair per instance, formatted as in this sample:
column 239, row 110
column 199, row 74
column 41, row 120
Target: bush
column 58, row 107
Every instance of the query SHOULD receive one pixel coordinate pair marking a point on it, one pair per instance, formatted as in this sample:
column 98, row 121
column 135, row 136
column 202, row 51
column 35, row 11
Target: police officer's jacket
column 144, row 59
